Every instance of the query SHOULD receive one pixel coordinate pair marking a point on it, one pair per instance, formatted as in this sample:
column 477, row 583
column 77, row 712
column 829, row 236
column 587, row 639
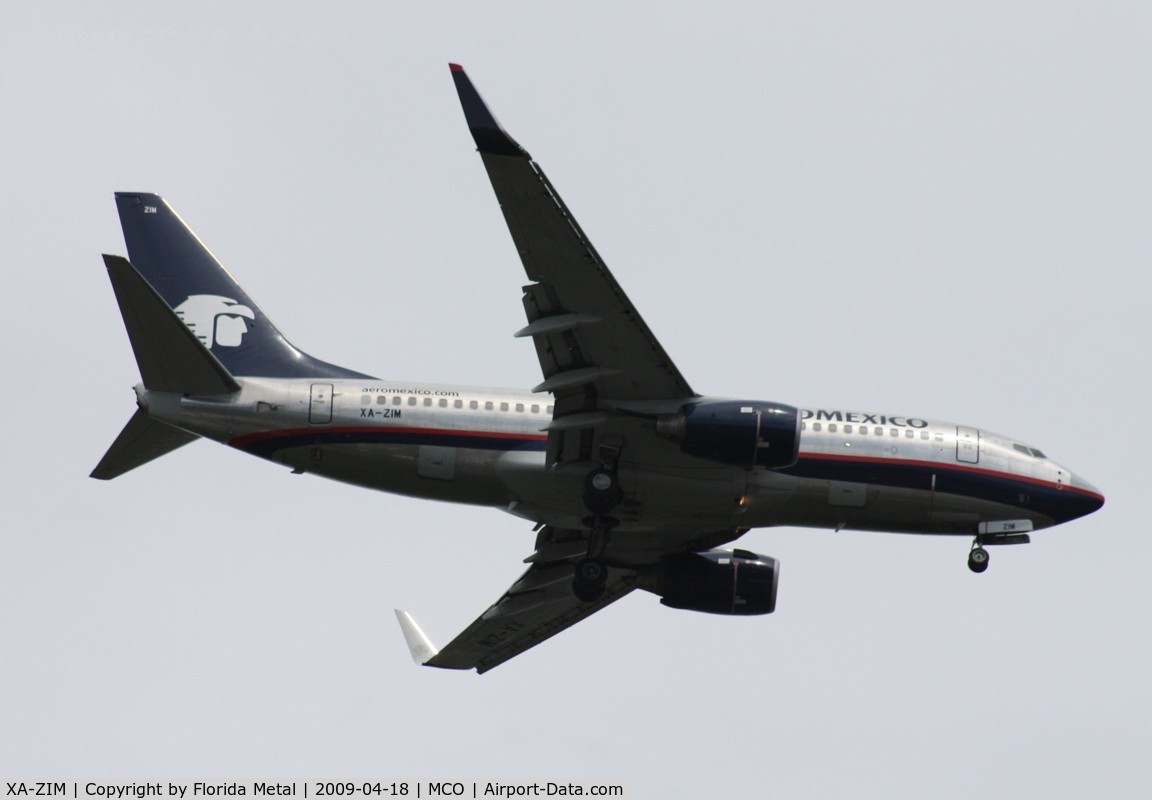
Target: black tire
column 591, row 572
column 601, row 490
column 978, row 559
column 588, row 579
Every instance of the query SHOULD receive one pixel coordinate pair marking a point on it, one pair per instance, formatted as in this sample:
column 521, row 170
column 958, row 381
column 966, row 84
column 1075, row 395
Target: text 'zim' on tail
column 174, row 262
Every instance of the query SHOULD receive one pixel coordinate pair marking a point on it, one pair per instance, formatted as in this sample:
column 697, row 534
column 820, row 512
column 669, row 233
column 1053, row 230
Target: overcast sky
column 935, row 209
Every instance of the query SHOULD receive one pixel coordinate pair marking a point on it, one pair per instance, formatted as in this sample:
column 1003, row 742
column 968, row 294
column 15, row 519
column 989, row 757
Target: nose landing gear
column 977, row 558
column 996, row 533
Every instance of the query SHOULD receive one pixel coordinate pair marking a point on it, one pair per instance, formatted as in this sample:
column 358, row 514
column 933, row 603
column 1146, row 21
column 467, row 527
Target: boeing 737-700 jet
column 631, row 479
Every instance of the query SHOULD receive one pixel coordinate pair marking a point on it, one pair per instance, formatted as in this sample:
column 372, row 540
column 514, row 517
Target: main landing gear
column 589, row 579
column 601, row 494
column 601, row 490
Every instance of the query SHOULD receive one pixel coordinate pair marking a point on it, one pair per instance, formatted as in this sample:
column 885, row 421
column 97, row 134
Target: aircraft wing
column 541, row 604
column 592, row 343
column 597, row 356
column 536, row 607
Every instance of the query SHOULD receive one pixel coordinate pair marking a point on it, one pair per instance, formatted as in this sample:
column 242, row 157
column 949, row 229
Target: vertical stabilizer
column 205, row 296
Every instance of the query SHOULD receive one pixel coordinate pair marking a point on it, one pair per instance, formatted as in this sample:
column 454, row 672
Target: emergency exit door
column 320, row 404
column 967, row 445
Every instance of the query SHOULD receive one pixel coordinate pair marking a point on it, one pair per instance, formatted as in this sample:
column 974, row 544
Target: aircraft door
column 967, row 445
column 320, row 404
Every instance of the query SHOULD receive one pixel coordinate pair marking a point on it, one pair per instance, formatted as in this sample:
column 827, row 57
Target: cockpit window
column 1028, row 451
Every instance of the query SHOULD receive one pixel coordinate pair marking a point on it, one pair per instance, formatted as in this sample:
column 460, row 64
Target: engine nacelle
column 715, row 581
column 742, row 433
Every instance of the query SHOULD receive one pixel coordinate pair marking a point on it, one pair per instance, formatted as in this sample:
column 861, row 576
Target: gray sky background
column 939, row 209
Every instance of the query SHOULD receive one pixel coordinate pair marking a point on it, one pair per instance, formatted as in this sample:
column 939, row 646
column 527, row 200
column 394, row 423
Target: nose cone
column 1079, row 500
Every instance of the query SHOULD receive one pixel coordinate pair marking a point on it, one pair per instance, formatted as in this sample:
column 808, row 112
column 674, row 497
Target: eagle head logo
column 216, row 320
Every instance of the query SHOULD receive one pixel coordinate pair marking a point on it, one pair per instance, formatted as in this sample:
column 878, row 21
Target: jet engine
column 715, row 582
column 742, row 433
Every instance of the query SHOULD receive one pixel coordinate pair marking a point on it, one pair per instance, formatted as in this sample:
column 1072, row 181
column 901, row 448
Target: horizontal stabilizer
column 142, row 440
column 170, row 357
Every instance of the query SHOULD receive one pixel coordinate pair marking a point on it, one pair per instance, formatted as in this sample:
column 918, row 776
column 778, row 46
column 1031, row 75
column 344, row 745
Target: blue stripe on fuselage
column 1059, row 503
column 265, row 444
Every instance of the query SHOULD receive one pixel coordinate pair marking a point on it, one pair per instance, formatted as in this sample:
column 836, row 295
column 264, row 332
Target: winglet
column 490, row 137
column 419, row 645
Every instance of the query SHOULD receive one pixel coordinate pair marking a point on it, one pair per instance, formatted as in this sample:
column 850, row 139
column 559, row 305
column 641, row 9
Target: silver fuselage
column 487, row 446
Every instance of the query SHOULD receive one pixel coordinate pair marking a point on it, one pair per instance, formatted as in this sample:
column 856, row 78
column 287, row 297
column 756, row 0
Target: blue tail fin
column 193, row 283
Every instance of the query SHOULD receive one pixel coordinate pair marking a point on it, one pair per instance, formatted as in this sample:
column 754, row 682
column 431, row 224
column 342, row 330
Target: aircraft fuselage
column 487, row 447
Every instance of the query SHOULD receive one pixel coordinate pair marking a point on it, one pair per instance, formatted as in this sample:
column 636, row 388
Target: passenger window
column 880, row 431
column 427, row 401
column 411, row 401
column 472, row 404
column 909, row 434
column 520, row 407
column 458, row 404
column 847, row 428
column 803, row 426
column 924, row 435
column 443, row 403
column 832, row 427
column 535, row 408
column 549, row 409
column 939, row 437
column 396, row 400
column 488, row 406
column 503, row 406
column 893, row 432
column 365, row 399
column 381, row 399
column 816, row 426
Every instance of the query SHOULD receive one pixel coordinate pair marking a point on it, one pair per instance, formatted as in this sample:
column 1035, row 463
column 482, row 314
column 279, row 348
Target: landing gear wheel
column 978, row 559
column 588, row 579
column 601, row 490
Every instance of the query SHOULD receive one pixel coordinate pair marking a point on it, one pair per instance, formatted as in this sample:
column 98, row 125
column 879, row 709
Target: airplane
column 631, row 479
